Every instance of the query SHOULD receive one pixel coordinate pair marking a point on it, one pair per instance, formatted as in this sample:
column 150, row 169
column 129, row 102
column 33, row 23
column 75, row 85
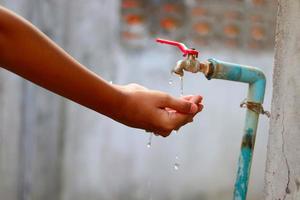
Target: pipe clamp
column 255, row 107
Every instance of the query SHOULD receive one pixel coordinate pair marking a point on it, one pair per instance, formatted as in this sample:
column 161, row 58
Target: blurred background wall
column 51, row 148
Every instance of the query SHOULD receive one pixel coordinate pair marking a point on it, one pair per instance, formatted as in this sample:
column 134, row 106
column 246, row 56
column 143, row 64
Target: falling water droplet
column 150, row 140
column 148, row 144
column 170, row 81
column 176, row 164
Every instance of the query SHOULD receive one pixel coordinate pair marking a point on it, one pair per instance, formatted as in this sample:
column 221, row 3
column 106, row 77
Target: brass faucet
column 190, row 63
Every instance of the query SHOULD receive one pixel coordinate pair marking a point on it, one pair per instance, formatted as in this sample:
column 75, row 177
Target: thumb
column 182, row 106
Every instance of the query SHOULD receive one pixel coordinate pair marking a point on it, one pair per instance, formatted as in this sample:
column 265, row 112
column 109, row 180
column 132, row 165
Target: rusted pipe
column 216, row 69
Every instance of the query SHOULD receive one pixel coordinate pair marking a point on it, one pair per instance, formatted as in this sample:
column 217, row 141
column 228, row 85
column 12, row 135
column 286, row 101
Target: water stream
column 149, row 143
column 176, row 162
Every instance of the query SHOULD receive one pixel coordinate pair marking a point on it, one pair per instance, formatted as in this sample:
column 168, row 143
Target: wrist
column 117, row 105
column 126, row 103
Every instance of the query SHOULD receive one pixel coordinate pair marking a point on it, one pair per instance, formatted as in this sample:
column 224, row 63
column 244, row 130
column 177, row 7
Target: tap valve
column 185, row 50
column 190, row 63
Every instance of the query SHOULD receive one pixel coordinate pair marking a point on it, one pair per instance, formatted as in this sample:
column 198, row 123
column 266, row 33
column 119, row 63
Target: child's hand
column 156, row 111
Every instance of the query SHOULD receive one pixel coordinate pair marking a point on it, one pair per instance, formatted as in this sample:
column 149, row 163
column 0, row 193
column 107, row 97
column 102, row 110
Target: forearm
column 29, row 53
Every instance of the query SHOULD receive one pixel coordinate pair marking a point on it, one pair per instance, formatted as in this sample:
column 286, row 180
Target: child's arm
column 27, row 52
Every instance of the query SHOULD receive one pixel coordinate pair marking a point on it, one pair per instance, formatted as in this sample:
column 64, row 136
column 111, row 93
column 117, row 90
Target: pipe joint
column 240, row 73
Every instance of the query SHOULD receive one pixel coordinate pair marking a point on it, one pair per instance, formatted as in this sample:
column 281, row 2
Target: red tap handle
column 181, row 46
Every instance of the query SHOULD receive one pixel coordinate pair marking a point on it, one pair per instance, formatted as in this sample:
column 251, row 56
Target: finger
column 191, row 98
column 181, row 105
column 194, row 98
column 198, row 101
column 174, row 120
column 163, row 133
column 200, row 107
column 179, row 119
column 187, row 97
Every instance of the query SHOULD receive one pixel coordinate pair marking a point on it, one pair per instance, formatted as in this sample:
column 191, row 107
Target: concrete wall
column 283, row 160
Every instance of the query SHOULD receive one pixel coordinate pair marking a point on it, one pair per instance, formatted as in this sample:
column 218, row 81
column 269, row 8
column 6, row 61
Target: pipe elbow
column 259, row 75
column 241, row 73
column 257, row 88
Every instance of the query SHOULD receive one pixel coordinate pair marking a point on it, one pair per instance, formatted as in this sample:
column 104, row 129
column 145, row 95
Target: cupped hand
column 156, row 111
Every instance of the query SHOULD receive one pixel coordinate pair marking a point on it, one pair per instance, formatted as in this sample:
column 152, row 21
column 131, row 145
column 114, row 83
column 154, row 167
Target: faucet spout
column 190, row 64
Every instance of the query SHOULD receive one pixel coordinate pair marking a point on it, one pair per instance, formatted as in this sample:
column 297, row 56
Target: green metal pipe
column 257, row 82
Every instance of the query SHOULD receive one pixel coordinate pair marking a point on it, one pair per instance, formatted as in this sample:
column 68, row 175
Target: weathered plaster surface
column 283, row 159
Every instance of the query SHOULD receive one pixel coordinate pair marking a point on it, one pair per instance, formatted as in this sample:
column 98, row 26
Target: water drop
column 110, row 82
column 170, row 81
column 148, row 144
column 176, row 164
column 149, row 140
